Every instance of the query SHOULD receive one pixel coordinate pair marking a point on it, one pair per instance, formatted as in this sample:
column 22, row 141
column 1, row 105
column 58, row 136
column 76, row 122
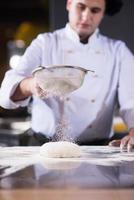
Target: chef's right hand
column 36, row 90
column 26, row 88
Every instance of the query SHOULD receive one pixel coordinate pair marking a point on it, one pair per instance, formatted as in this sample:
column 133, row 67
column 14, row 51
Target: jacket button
column 67, row 99
column 70, row 51
column 92, row 100
column 90, row 126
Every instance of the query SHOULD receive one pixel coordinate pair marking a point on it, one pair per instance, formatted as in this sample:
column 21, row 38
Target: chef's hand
column 126, row 142
column 26, row 88
column 36, row 90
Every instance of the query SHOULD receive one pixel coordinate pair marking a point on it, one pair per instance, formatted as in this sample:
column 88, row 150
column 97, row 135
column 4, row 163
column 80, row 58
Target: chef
column 90, row 108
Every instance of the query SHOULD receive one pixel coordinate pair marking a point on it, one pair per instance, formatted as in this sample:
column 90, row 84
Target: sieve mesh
column 60, row 80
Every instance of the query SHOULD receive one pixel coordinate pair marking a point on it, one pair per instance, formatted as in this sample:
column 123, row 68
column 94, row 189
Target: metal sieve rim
column 60, row 66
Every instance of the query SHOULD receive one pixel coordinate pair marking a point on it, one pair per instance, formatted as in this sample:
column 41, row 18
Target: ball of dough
column 61, row 149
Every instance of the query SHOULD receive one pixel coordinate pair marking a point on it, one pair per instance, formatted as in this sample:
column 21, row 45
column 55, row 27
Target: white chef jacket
column 90, row 108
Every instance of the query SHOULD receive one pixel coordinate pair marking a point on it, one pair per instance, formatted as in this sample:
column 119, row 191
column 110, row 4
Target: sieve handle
column 88, row 70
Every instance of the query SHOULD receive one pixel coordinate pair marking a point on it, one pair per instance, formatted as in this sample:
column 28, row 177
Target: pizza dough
column 61, row 149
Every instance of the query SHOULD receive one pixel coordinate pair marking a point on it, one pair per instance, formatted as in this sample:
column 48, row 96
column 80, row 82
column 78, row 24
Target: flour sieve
column 60, row 80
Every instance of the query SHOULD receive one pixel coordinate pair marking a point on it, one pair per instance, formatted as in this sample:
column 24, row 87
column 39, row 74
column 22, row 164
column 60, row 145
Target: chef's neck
column 84, row 40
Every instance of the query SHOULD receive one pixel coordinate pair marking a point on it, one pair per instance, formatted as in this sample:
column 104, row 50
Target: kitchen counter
column 101, row 172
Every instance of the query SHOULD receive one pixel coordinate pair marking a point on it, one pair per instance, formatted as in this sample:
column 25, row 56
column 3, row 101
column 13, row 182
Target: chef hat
column 113, row 7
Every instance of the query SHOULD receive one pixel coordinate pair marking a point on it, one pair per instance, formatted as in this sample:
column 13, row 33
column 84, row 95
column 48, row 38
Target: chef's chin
column 84, row 31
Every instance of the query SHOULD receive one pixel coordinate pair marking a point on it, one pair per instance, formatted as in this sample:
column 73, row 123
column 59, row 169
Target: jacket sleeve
column 126, row 86
column 29, row 61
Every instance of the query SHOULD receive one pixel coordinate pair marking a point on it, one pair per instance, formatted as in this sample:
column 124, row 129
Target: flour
column 60, row 81
column 63, row 126
column 59, row 88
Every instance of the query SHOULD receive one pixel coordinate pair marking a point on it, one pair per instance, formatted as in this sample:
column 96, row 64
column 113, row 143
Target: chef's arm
column 26, row 88
column 23, row 90
column 126, row 96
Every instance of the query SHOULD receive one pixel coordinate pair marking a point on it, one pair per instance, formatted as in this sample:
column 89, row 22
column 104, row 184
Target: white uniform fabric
column 90, row 108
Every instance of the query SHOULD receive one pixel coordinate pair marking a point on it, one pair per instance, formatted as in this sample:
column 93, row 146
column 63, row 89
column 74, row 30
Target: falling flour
column 63, row 126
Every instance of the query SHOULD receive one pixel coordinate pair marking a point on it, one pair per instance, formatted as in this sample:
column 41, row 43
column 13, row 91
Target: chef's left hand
column 126, row 142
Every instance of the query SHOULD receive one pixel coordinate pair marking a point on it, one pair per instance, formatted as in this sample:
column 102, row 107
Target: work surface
column 99, row 167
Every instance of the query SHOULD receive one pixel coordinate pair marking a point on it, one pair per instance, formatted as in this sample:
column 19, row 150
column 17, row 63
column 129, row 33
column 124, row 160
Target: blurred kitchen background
column 20, row 22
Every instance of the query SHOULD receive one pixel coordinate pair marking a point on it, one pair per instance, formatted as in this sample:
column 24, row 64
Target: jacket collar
column 94, row 42
column 74, row 36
